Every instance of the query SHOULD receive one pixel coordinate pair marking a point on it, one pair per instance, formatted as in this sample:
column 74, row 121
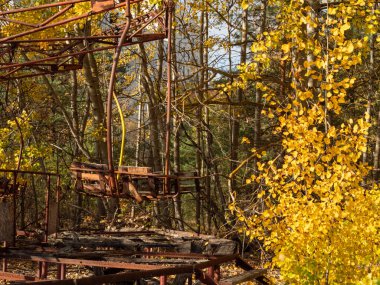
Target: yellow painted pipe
column 122, row 130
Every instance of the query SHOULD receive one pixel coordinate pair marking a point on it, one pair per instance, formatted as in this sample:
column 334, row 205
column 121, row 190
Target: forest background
column 275, row 105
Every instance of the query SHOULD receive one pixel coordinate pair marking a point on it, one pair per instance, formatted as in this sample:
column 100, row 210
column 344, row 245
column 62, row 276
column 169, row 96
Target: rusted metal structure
column 40, row 47
column 37, row 50
column 129, row 256
column 12, row 193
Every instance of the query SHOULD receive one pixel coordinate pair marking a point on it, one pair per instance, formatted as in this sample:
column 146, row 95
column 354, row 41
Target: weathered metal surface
column 204, row 267
column 168, row 99
column 8, row 231
column 100, row 5
column 62, row 54
column 7, row 220
column 29, row 172
column 16, row 277
column 139, row 183
column 172, row 241
column 82, row 262
column 246, row 276
column 145, row 270
column 129, row 276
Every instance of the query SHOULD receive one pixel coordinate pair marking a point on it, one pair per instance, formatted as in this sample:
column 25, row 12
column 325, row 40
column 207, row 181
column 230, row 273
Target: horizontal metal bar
column 63, row 22
column 16, row 277
column 29, row 172
column 244, row 277
column 109, row 253
column 63, row 39
column 40, row 7
column 3, row 78
column 150, row 38
column 82, row 262
column 42, row 72
column 114, row 278
column 178, row 255
column 18, row 22
column 97, row 232
column 56, row 15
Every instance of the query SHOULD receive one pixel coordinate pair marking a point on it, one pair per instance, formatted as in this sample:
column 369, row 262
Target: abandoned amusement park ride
column 124, row 257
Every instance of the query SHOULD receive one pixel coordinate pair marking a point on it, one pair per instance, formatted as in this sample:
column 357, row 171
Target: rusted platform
column 138, row 183
column 125, row 256
column 145, row 241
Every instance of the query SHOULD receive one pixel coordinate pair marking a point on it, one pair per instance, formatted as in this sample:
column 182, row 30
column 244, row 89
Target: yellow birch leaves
column 316, row 213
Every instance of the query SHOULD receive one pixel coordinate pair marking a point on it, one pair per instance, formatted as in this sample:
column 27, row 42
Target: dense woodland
column 275, row 105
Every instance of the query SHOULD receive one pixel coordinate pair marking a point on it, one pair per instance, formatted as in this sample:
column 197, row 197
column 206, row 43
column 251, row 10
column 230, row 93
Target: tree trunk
column 176, row 144
column 235, row 137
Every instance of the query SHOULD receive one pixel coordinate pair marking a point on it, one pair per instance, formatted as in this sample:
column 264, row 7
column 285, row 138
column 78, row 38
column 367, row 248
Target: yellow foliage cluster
column 318, row 216
column 10, row 143
column 37, row 17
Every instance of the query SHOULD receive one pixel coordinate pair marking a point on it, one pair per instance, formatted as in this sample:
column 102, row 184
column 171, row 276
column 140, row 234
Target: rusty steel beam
column 205, row 278
column 81, row 262
column 157, row 37
column 35, row 63
column 120, row 277
column 134, row 24
column 29, row 172
column 61, row 271
column 109, row 253
column 168, row 99
column 17, row 69
column 2, row 78
column 123, row 40
column 5, row 260
column 41, row 7
column 47, row 208
column 163, row 280
column 111, row 87
column 16, row 277
column 97, row 232
column 240, row 262
column 18, row 22
column 11, row 72
column 179, row 255
column 63, row 22
column 63, row 39
column 56, row 15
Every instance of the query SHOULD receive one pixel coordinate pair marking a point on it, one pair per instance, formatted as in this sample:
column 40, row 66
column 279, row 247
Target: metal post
column 44, row 270
column 61, row 271
column 14, row 207
column 39, row 269
column 58, row 193
column 5, row 261
column 217, row 274
column 198, row 204
column 210, row 272
column 47, row 206
column 163, row 280
column 111, row 88
column 168, row 98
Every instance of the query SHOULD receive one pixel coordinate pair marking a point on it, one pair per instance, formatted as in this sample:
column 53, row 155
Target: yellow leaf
column 245, row 140
column 345, row 27
column 285, row 48
column 350, row 48
column 244, row 4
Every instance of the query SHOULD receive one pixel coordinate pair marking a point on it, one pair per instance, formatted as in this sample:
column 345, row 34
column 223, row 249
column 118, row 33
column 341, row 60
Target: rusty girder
column 30, row 53
column 204, row 268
